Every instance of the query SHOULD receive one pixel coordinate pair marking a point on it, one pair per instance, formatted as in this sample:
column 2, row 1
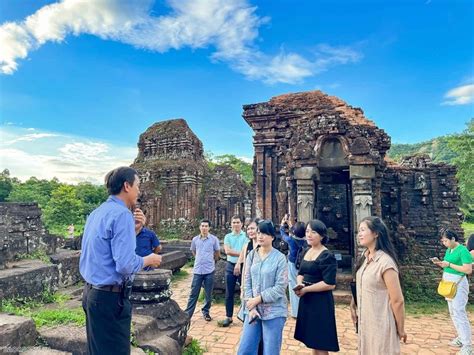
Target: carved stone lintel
column 306, row 173
column 361, row 172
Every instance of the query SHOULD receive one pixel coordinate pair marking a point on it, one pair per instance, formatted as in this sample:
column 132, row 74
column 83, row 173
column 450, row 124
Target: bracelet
column 449, row 264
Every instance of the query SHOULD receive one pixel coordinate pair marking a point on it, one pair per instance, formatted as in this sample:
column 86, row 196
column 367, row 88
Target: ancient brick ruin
column 317, row 157
column 22, row 232
column 178, row 187
column 225, row 194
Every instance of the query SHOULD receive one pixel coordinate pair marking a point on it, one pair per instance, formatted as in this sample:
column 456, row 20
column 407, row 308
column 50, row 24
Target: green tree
column 6, row 185
column 242, row 167
column 91, row 196
column 463, row 145
column 33, row 190
column 63, row 209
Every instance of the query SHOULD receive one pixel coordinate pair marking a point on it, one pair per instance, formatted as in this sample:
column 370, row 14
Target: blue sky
column 80, row 80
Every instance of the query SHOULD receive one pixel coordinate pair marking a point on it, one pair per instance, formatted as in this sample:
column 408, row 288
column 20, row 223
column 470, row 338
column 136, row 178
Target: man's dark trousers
column 198, row 281
column 108, row 318
column 230, row 281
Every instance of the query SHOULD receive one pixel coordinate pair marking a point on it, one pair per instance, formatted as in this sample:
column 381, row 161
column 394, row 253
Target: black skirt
column 316, row 321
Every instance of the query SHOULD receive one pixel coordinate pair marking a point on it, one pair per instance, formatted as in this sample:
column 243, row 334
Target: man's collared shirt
column 235, row 242
column 204, row 247
column 147, row 241
column 108, row 245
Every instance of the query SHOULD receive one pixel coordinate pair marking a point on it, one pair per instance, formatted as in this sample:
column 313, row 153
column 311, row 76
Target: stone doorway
column 333, row 206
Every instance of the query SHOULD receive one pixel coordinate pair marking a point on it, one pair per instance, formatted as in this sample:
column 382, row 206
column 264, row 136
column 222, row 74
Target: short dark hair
column 115, row 179
column 320, row 228
column 236, row 217
column 449, row 234
column 266, row 227
column 205, row 220
column 470, row 242
column 299, row 230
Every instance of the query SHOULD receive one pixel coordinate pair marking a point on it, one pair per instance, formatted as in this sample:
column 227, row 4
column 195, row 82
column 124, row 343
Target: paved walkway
column 426, row 334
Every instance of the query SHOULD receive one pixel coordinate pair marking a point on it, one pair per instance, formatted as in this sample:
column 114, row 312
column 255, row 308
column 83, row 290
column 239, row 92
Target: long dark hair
column 383, row 242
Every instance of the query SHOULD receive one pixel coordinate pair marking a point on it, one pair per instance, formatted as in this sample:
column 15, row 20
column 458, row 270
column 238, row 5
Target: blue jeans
column 230, row 281
column 198, row 281
column 271, row 332
column 294, row 300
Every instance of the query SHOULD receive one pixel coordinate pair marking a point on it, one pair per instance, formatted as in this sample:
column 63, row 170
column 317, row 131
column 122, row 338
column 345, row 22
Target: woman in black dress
column 316, row 322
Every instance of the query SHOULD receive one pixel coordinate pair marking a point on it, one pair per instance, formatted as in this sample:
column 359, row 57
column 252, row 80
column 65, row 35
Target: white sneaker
column 456, row 343
column 466, row 350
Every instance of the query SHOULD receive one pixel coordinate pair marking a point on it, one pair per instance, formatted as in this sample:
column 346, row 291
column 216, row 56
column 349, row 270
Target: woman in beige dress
column 380, row 310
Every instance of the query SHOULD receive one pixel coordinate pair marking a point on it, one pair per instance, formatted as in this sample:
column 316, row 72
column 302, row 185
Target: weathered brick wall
column 418, row 199
column 29, row 279
column 332, row 206
column 22, row 232
column 67, row 262
column 291, row 131
column 178, row 188
column 225, row 194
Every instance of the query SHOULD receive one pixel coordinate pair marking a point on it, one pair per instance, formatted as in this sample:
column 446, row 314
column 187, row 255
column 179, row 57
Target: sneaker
column 466, row 350
column 456, row 343
column 207, row 317
column 225, row 323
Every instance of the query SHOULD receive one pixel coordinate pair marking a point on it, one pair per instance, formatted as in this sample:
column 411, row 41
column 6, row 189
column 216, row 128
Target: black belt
column 108, row 288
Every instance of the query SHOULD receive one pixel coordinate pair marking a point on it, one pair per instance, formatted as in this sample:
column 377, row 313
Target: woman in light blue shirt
column 266, row 279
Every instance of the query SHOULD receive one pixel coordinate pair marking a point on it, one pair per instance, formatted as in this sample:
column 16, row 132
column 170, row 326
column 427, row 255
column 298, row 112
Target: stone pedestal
column 151, row 297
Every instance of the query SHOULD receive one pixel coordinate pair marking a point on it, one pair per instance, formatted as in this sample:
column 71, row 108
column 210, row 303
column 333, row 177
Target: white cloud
column 461, row 95
column 229, row 27
column 69, row 158
column 29, row 137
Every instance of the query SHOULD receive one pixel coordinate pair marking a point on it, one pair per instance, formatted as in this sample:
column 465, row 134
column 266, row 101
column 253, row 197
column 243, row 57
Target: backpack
column 279, row 244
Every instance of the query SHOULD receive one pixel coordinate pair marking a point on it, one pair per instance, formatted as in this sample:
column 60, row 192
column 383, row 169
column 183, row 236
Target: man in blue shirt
column 147, row 243
column 108, row 263
column 206, row 250
column 233, row 244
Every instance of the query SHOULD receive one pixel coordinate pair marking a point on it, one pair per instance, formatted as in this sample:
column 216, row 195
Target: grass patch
column 431, row 308
column 468, row 229
column 54, row 297
column 194, row 348
column 45, row 317
column 50, row 317
column 177, row 276
column 38, row 254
